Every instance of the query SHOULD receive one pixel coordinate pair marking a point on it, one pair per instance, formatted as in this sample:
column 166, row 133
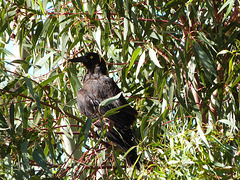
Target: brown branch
column 49, row 105
column 196, row 97
column 34, row 82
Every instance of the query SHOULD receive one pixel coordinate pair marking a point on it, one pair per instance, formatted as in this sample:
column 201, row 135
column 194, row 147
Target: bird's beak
column 79, row 59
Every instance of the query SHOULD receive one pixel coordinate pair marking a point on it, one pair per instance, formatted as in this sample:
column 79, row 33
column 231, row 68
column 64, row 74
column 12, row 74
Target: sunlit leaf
column 134, row 56
column 140, row 63
column 228, row 122
column 153, row 56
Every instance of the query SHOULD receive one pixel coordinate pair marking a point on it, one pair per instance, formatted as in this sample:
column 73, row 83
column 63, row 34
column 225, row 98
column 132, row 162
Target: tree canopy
column 177, row 63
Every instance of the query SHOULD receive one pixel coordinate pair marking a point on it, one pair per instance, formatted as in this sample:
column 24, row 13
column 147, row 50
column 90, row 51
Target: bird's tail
column 124, row 139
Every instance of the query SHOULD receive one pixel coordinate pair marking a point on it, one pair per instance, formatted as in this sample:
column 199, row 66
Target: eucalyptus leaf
column 110, row 100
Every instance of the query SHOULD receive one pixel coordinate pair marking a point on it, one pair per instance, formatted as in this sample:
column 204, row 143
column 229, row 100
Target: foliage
column 177, row 63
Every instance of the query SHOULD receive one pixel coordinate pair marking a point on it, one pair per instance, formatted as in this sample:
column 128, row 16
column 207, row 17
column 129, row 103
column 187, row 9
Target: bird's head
column 92, row 61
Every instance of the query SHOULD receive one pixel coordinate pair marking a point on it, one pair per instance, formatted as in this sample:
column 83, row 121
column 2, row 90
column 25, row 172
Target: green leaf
column 37, row 33
column 38, row 102
column 130, row 149
column 140, row 63
column 223, row 52
column 171, row 92
column 80, row 5
column 51, row 79
column 144, row 126
column 153, row 57
column 39, row 157
column 125, row 29
column 97, row 37
column 24, row 147
column 3, row 122
column 24, row 120
column 110, row 100
column 228, row 3
column 206, row 62
column 118, row 165
column 134, row 56
column 12, row 114
column 19, row 61
column 114, row 111
column 236, row 82
column 5, row 51
column 66, row 28
column 41, row 7
column 29, row 85
column 229, row 123
column 35, row 96
column 200, row 131
column 64, row 42
column 160, row 119
column 70, row 104
column 88, row 126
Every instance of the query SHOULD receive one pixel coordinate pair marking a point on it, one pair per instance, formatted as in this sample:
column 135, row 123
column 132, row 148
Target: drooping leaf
column 29, row 85
column 134, row 56
column 24, row 147
column 140, row 63
column 207, row 63
column 88, row 126
column 39, row 157
column 229, row 123
column 153, row 57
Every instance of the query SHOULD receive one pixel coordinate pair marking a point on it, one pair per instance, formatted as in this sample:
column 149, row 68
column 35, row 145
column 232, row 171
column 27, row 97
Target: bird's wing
column 94, row 91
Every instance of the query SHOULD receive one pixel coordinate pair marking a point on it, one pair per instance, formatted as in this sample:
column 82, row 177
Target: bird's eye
column 91, row 57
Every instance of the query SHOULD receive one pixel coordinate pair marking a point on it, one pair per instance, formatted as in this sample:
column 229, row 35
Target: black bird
column 97, row 86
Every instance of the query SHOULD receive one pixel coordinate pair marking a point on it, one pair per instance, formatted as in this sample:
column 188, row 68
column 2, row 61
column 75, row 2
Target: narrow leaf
column 24, row 121
column 125, row 33
column 118, row 165
column 80, row 5
column 88, row 126
column 229, row 123
column 24, row 147
column 3, row 122
column 206, row 62
column 223, row 52
column 12, row 114
column 114, row 111
column 41, row 7
column 236, row 81
column 98, row 38
column 140, row 63
column 153, row 57
column 110, row 100
column 29, row 85
column 39, row 157
column 69, row 104
column 200, row 131
column 47, row 81
column 38, row 102
column 134, row 56
column 229, row 9
column 171, row 91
